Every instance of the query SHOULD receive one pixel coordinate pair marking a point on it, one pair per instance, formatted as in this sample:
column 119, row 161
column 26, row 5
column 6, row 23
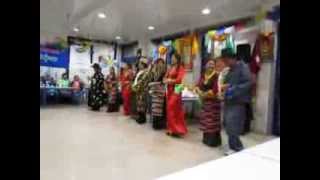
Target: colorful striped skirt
column 210, row 116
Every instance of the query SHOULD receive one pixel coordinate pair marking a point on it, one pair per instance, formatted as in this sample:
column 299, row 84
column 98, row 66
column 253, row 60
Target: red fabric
column 255, row 65
column 76, row 85
column 126, row 91
column 255, row 62
column 175, row 113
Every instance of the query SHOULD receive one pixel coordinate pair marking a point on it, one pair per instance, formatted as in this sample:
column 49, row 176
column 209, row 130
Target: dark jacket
column 239, row 78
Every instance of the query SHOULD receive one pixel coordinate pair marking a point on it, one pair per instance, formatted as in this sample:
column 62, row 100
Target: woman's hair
column 210, row 59
column 178, row 57
column 114, row 70
column 144, row 65
column 160, row 59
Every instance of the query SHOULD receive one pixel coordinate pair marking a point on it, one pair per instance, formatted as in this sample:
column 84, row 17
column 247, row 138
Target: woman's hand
column 224, row 87
column 167, row 81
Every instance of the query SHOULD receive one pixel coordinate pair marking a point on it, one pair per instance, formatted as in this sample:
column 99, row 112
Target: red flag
column 255, row 64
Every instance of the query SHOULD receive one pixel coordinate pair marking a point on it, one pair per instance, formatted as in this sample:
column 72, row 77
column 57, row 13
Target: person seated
column 65, row 94
column 64, row 81
column 76, row 86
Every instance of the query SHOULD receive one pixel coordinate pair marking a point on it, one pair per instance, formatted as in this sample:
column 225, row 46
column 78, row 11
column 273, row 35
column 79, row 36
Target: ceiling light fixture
column 151, row 28
column 102, row 15
column 118, row 37
column 76, row 29
column 206, row 11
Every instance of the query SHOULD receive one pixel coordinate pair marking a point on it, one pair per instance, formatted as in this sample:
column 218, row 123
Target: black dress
column 96, row 95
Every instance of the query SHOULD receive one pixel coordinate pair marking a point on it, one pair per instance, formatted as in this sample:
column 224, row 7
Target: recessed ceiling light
column 151, row 28
column 76, row 29
column 102, row 15
column 206, row 11
column 118, row 37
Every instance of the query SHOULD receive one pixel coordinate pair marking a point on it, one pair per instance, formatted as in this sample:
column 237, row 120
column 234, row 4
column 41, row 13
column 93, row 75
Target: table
column 44, row 92
column 192, row 101
column 260, row 162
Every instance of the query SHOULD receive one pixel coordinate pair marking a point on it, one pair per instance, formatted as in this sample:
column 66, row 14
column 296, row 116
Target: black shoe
column 176, row 135
column 95, row 109
column 141, row 118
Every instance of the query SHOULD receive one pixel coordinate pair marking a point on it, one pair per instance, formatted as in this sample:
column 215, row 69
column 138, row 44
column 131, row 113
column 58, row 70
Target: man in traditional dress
column 237, row 94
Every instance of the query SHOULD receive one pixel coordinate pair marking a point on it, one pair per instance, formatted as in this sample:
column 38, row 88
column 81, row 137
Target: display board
column 103, row 55
column 80, row 63
column 54, row 57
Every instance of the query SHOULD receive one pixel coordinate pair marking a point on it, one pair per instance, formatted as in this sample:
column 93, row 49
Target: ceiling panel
column 130, row 18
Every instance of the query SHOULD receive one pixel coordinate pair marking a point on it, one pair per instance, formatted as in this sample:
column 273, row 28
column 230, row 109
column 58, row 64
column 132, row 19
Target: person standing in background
column 176, row 125
column 96, row 89
column 126, row 79
column 207, row 89
column 237, row 94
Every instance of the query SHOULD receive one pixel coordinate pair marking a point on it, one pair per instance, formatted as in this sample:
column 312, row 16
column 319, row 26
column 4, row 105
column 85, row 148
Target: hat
column 96, row 66
column 227, row 53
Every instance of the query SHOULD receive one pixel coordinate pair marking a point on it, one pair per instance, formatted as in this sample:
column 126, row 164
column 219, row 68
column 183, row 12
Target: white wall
column 265, row 87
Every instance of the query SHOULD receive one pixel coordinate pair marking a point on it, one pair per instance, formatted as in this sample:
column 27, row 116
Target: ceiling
column 130, row 18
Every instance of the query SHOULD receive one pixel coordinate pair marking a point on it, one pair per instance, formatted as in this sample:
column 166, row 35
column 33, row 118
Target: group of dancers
column 224, row 87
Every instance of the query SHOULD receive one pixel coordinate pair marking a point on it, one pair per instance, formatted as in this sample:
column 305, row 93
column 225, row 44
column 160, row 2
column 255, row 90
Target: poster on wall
column 80, row 63
column 54, row 57
column 103, row 55
column 188, row 48
column 79, row 59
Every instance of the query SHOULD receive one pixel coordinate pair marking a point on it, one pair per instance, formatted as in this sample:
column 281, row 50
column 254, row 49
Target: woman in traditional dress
column 207, row 89
column 176, row 125
column 157, row 92
column 126, row 88
column 133, row 98
column 111, row 87
column 96, row 89
column 140, row 88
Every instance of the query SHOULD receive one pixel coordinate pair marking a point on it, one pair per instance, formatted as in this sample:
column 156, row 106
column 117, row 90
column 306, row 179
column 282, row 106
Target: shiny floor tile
column 78, row 144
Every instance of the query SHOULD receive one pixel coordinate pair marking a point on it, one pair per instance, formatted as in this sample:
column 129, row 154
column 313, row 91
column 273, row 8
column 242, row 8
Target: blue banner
column 54, row 57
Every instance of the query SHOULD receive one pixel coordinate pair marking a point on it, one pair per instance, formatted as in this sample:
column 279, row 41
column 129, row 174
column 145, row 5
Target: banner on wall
column 104, row 56
column 79, row 59
column 54, row 57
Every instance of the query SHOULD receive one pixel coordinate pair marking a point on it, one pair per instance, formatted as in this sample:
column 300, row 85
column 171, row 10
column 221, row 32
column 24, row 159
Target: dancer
column 207, row 89
column 176, row 125
column 126, row 79
column 140, row 88
column 237, row 93
column 157, row 92
column 96, row 89
column 111, row 87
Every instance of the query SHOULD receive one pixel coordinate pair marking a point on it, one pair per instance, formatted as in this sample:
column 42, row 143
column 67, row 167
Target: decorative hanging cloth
column 267, row 44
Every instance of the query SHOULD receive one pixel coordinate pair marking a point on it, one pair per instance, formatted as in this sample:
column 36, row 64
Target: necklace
column 208, row 77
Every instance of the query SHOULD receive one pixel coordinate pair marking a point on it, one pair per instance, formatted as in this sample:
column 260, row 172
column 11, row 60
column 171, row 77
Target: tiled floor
column 77, row 144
